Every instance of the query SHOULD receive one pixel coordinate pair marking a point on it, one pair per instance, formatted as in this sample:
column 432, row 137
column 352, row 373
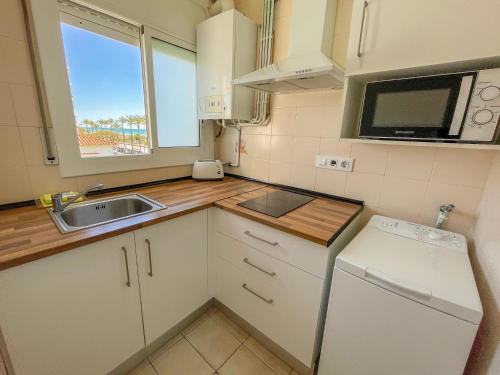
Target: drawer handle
column 150, row 273
column 261, row 239
column 259, row 268
column 268, row 301
column 124, row 249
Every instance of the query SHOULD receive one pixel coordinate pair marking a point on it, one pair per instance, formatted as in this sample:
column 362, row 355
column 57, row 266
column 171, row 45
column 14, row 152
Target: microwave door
column 424, row 108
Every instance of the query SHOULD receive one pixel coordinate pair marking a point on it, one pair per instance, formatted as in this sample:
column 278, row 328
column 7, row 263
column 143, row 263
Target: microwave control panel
column 482, row 119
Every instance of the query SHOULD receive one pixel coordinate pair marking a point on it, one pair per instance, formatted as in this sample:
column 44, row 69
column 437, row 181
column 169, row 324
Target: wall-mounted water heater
column 226, row 49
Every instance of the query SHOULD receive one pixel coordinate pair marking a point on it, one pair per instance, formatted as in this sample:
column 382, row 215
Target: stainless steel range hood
column 308, row 65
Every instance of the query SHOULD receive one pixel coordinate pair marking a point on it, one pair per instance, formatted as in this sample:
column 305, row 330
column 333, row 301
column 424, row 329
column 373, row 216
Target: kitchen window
column 127, row 91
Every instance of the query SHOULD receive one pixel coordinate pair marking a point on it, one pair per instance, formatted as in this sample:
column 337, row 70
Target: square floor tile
column 158, row 353
column 245, row 362
column 179, row 359
column 231, row 326
column 267, row 357
column 144, row 368
column 212, row 339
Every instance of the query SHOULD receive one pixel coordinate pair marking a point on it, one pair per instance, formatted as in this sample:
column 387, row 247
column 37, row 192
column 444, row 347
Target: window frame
column 45, row 16
column 148, row 33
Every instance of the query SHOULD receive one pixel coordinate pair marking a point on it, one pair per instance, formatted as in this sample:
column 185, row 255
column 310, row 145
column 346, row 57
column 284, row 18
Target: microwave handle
column 461, row 105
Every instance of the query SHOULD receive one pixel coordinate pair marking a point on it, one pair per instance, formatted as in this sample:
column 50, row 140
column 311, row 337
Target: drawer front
column 287, row 321
column 296, row 251
column 256, row 265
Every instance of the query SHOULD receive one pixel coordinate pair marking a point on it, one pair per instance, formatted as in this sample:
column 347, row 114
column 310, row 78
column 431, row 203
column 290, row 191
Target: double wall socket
column 338, row 163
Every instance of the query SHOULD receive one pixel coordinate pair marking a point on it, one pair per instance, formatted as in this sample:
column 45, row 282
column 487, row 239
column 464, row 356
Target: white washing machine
column 403, row 302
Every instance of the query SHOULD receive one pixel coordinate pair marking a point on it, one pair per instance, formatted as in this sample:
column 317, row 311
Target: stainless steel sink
column 89, row 214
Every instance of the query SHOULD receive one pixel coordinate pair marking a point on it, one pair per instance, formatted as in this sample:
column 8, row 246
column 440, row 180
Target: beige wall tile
column 280, row 173
column 333, row 122
column 46, row 179
column 32, row 145
column 15, row 64
column 369, row 158
column 281, row 148
column 259, row 169
column 283, row 121
column 25, row 105
column 311, row 121
column 410, row 162
column 7, row 114
column 466, row 199
column 304, row 150
column 11, row 19
column 283, row 100
column 257, row 146
column 330, row 181
column 322, row 98
column 403, row 195
column 303, row 176
column 462, row 167
column 11, row 149
column 364, row 186
column 334, row 147
column 16, row 185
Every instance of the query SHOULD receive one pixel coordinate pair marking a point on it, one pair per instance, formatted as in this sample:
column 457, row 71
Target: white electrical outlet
column 338, row 163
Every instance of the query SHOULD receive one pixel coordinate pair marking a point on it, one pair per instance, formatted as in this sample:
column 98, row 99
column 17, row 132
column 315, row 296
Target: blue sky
column 105, row 75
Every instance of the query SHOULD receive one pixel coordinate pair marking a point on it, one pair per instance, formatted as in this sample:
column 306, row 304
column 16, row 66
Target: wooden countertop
column 28, row 233
column 320, row 220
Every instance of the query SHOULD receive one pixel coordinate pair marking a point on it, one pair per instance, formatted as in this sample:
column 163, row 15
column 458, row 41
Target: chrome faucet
column 444, row 212
column 57, row 199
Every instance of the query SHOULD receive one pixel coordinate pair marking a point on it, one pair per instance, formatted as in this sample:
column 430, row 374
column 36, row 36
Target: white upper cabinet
column 75, row 313
column 172, row 262
column 397, row 34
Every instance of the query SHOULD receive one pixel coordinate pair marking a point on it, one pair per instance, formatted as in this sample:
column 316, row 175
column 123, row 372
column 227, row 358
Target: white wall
column 486, row 262
column 176, row 17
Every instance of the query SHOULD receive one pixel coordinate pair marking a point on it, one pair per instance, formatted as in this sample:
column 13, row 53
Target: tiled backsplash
column 407, row 182
column 24, row 175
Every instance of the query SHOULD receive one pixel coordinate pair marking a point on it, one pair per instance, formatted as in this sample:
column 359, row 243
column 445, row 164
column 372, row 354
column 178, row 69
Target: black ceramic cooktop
column 277, row 203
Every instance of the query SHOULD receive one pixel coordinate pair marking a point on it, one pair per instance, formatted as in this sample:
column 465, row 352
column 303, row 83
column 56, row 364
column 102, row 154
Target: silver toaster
column 208, row 170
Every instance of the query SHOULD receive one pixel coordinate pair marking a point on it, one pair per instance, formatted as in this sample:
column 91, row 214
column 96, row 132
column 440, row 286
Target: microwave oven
column 460, row 107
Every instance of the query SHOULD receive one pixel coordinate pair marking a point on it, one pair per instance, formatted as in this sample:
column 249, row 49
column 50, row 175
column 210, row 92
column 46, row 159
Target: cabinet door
column 407, row 33
column 73, row 313
column 172, row 260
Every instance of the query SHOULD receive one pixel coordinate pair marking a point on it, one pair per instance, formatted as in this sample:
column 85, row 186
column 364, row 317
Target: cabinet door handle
column 266, row 300
column 261, row 239
column 259, row 268
column 124, row 249
column 150, row 273
column 362, row 28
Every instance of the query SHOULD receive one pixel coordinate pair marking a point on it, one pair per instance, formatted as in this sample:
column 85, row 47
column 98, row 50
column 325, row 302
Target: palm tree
column 86, row 123
column 122, row 120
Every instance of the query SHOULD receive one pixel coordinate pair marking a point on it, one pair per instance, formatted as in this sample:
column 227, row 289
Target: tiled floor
column 213, row 344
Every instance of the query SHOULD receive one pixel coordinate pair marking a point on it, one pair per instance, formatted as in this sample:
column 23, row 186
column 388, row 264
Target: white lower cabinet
column 267, row 278
column 74, row 312
column 172, row 262
column 79, row 312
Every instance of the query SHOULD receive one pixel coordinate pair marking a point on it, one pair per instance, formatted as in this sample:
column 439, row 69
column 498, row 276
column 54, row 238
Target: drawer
column 294, row 250
column 290, row 281
column 288, row 321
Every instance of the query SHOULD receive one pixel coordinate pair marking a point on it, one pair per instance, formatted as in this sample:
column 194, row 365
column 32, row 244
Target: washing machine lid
column 421, row 263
